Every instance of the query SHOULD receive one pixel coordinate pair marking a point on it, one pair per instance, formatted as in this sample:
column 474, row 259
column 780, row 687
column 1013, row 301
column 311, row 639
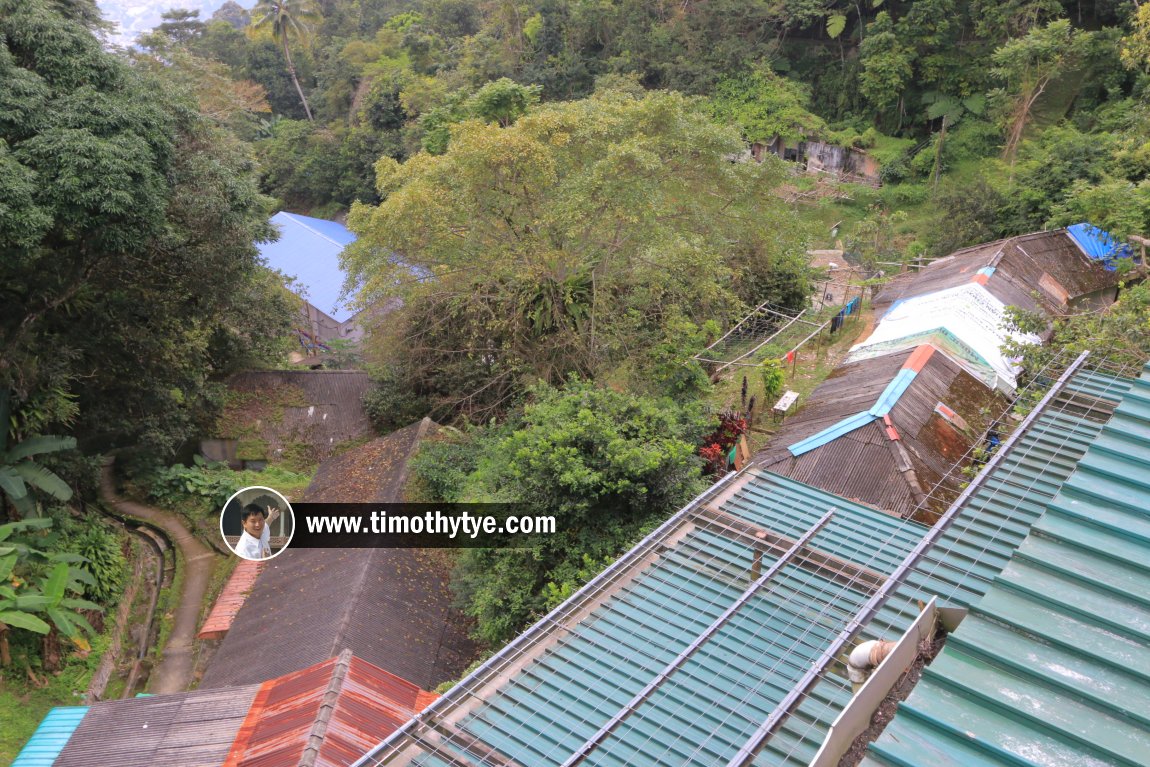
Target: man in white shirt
column 255, row 540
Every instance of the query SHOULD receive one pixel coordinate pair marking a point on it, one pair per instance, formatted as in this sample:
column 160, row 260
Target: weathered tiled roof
column 371, row 473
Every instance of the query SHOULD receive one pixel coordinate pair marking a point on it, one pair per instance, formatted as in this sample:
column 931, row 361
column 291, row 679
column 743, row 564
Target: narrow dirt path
column 174, row 673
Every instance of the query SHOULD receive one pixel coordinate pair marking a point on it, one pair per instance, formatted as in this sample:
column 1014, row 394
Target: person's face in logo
column 254, row 525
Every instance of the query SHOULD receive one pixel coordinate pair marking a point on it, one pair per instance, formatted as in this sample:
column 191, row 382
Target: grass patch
column 811, row 368
column 24, row 703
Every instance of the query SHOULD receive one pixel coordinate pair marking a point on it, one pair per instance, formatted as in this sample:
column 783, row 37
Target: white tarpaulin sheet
column 966, row 323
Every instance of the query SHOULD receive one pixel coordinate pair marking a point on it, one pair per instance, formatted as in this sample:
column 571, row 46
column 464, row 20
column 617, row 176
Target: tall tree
column 288, row 19
column 181, row 25
column 128, row 270
column 1028, row 65
column 569, row 239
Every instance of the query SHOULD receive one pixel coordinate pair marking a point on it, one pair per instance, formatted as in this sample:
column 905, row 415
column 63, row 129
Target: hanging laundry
column 836, row 322
column 790, row 357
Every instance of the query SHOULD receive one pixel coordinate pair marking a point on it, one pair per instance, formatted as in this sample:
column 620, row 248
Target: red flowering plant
column 718, row 443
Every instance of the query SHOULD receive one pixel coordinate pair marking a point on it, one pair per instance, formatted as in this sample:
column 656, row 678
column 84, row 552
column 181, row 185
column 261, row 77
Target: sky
column 138, row 16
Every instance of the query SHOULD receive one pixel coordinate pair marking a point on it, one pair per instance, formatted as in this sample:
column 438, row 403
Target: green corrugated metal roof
column 998, row 516
column 977, row 545
column 50, row 737
column 556, row 689
column 1052, row 666
column 706, row 709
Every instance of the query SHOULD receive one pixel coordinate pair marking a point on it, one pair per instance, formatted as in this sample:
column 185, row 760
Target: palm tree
column 288, row 19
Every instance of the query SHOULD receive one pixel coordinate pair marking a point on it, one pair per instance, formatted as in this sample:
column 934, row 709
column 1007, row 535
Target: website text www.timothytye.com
column 404, row 525
column 431, row 523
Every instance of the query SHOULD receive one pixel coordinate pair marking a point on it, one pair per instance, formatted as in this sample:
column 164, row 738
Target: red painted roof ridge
column 918, row 359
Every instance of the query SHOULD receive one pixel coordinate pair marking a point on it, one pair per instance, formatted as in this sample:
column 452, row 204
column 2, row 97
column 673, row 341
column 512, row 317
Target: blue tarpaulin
column 1100, row 245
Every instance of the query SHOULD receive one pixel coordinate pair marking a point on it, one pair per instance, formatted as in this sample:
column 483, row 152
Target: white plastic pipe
column 866, row 657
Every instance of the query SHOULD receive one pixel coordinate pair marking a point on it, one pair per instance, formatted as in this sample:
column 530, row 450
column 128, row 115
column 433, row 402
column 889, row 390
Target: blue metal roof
column 1052, row 666
column 674, row 656
column 1099, row 245
column 50, row 737
column 308, row 250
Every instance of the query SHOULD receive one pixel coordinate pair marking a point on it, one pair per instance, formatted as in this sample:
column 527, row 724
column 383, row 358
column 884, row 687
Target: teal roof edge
column 891, row 394
column 886, row 401
column 50, row 737
column 831, row 433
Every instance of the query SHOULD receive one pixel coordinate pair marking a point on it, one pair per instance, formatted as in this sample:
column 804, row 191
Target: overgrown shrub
column 205, row 487
column 105, row 562
column 606, row 464
column 391, row 402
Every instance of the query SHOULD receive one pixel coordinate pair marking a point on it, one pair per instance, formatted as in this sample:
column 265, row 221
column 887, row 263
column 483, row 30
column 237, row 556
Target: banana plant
column 19, row 472
column 37, row 603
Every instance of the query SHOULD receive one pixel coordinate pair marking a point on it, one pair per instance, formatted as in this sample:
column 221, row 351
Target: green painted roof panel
column 704, row 710
column 995, row 520
column 1052, row 666
column 546, row 697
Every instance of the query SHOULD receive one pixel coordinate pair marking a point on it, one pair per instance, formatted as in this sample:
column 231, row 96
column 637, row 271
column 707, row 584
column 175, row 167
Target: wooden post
column 1141, row 242
column 757, row 556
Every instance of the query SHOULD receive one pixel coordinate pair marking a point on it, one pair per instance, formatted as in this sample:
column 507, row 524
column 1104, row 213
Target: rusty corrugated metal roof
column 230, row 600
column 891, row 464
column 1048, row 264
column 323, row 716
